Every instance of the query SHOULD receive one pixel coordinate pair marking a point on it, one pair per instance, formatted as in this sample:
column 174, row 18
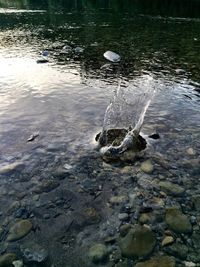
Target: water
column 59, row 178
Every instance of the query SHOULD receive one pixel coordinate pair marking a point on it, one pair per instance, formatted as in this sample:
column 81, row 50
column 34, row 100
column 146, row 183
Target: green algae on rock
column 139, row 242
column 177, row 221
column 159, row 261
column 7, row 259
column 98, row 253
column 19, row 230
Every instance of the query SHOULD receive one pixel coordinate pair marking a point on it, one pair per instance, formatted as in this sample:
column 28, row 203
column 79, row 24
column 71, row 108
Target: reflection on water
column 64, row 100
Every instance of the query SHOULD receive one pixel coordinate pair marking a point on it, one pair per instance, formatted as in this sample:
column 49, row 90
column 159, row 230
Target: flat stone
column 123, row 216
column 18, row 263
column 19, row 230
column 118, row 199
column 147, row 166
column 177, row 221
column 167, row 240
column 171, row 188
column 159, row 261
column 98, row 253
column 139, row 242
column 7, row 259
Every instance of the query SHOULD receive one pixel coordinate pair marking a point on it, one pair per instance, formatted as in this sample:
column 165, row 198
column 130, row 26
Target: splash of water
column 127, row 111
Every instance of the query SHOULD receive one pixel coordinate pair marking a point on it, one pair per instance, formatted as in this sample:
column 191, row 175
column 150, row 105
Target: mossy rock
column 177, row 221
column 7, row 259
column 139, row 242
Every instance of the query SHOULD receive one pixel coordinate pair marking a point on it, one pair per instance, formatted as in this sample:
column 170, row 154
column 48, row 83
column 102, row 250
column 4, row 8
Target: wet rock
column 196, row 201
column 139, row 242
column 112, row 56
column 123, row 216
column 145, row 218
column 19, row 230
column 79, row 50
column 47, row 186
column 7, row 259
column 190, row 151
column 177, row 221
column 159, row 261
column 167, row 240
column 189, row 264
column 179, row 71
column 177, row 250
column 91, row 215
column 147, row 166
column 34, row 252
column 124, row 229
column 118, row 199
column 98, row 253
column 18, row 263
column 42, row 61
column 9, row 168
column 171, row 188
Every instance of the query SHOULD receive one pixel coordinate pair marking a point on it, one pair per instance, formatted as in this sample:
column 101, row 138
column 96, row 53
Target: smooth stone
column 112, row 56
column 196, row 201
column 147, row 166
column 47, row 186
column 144, row 218
column 190, row 151
column 177, row 221
column 7, row 259
column 124, row 229
column 98, row 253
column 179, row 71
column 91, row 215
column 10, row 167
column 19, row 230
column 178, row 250
column 167, row 240
column 123, row 216
column 171, row 188
column 18, row 263
column 189, row 264
column 118, row 199
column 139, row 242
column 159, row 261
column 34, row 252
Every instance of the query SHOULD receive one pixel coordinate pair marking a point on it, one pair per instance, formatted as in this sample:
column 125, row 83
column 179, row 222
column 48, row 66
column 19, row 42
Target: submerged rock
column 6, row 169
column 19, row 230
column 147, row 166
column 177, row 221
column 98, row 253
column 167, row 240
column 171, row 188
column 178, row 250
column 34, row 252
column 139, row 242
column 18, row 263
column 159, row 261
column 7, row 259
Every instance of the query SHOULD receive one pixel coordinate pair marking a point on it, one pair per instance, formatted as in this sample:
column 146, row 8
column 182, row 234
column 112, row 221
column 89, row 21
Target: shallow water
column 64, row 101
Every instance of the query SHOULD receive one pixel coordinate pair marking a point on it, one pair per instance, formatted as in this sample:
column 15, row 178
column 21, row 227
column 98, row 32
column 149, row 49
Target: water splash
column 127, row 111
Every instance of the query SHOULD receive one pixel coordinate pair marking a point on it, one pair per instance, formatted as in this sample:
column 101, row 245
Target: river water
column 58, row 181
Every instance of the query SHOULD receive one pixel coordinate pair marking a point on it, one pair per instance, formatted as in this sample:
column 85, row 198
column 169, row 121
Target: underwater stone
column 139, row 242
column 147, row 166
column 112, row 56
column 34, row 252
column 6, row 169
column 19, row 230
column 167, row 240
column 171, row 188
column 177, row 221
column 98, row 253
column 178, row 250
column 18, row 263
column 7, row 259
column 159, row 261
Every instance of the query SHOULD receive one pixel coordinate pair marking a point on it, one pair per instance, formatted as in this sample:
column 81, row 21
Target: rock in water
column 34, row 252
column 139, row 242
column 7, row 259
column 159, row 261
column 112, row 56
column 147, row 166
column 177, row 221
column 19, row 230
column 171, row 188
column 98, row 253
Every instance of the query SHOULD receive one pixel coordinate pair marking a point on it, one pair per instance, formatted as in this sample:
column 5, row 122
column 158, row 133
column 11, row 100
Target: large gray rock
column 139, row 242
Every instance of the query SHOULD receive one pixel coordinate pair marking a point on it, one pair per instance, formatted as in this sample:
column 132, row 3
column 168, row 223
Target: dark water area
column 57, row 181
